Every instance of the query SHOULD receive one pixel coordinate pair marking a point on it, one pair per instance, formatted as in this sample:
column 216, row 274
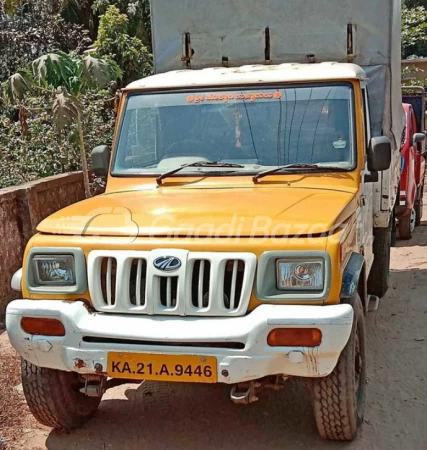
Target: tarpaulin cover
column 236, row 29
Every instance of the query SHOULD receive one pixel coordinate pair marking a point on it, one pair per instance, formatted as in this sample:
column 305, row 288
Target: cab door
column 366, row 206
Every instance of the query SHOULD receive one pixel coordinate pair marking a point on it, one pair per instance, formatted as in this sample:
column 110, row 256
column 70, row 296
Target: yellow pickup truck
column 240, row 240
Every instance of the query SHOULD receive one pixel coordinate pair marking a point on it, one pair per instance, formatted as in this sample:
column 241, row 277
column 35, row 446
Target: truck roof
column 251, row 75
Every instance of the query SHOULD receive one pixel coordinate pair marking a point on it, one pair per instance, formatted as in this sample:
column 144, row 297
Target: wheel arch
column 355, row 280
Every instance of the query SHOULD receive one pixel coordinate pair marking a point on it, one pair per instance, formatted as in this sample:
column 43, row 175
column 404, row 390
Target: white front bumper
column 256, row 360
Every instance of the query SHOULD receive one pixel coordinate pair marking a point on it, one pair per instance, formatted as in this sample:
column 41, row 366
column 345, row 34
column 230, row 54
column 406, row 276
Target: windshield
column 256, row 128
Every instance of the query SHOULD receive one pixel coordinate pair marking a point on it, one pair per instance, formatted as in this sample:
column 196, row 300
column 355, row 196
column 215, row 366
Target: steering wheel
column 181, row 148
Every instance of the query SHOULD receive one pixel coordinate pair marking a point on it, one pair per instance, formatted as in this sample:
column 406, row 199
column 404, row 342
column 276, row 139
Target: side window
column 368, row 130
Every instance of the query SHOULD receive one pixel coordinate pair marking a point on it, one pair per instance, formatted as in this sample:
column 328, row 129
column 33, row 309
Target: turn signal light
column 42, row 327
column 295, row 337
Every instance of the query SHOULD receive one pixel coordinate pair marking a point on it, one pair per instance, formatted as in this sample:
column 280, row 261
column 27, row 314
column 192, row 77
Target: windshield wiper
column 289, row 168
column 197, row 164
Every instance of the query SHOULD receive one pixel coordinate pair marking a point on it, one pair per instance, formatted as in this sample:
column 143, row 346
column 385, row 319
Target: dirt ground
column 202, row 417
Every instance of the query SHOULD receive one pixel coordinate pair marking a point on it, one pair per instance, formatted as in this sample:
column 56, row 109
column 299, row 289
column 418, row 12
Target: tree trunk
column 83, row 157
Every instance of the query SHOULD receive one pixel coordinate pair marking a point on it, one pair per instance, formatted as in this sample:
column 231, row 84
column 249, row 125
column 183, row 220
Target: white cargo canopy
column 237, row 30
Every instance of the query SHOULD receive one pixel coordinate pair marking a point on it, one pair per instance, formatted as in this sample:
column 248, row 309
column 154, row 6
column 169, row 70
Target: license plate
column 181, row 368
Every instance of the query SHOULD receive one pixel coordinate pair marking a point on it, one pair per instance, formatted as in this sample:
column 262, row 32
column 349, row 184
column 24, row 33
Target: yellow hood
column 251, row 211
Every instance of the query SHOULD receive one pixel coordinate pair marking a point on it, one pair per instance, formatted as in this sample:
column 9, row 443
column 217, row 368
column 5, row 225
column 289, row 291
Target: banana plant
column 66, row 77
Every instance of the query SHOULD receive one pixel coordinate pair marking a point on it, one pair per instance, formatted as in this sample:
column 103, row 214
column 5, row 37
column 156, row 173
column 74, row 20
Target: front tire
column 54, row 397
column 379, row 276
column 339, row 399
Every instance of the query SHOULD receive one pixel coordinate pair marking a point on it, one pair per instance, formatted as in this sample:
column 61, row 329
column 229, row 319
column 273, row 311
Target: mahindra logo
column 167, row 263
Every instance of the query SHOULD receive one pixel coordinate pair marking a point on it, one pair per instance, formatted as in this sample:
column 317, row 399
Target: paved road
column 202, row 417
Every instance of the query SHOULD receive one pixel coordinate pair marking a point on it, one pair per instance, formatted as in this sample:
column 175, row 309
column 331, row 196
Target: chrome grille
column 210, row 284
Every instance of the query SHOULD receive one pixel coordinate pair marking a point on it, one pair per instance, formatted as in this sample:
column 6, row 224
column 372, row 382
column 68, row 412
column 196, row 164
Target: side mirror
column 418, row 137
column 101, row 160
column 379, row 154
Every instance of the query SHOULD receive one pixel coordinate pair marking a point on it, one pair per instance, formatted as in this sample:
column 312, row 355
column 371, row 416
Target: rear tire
column 339, row 399
column 419, row 207
column 54, row 397
column 407, row 226
column 378, row 280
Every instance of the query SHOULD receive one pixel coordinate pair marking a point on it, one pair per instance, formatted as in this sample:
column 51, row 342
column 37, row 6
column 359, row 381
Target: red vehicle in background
column 410, row 206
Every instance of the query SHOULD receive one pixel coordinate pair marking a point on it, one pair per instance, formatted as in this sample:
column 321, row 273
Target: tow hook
column 245, row 393
column 94, row 386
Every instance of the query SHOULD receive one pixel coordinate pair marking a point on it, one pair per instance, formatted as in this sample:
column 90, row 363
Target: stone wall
column 22, row 208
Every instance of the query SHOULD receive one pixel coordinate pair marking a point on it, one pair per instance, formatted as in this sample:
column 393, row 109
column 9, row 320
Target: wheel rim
column 412, row 222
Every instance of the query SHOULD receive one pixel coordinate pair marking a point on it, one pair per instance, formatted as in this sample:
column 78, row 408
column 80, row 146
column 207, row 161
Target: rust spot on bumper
column 79, row 364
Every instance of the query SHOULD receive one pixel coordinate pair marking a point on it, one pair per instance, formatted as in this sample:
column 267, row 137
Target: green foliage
column 71, row 73
column 42, row 151
column 17, row 86
column 115, row 42
column 66, row 110
column 414, row 31
column 54, row 70
column 57, row 99
column 65, row 77
column 409, row 79
column 138, row 12
column 99, row 72
column 11, row 7
column 81, row 12
column 31, row 29
column 415, row 3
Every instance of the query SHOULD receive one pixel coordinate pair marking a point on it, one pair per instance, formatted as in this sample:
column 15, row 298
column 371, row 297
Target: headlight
column 54, row 270
column 300, row 275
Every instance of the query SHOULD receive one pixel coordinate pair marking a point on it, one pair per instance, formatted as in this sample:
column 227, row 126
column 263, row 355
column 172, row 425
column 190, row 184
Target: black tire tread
column 405, row 228
column 335, row 416
column 331, row 412
column 52, row 399
column 378, row 281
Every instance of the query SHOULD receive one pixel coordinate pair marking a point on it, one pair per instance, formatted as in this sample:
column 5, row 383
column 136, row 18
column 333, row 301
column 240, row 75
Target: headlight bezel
column 79, row 285
column 266, row 287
